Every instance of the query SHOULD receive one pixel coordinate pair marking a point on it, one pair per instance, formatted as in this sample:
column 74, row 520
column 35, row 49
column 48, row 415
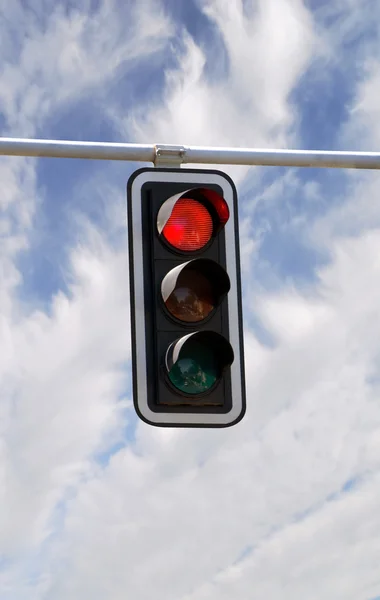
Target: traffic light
column 186, row 316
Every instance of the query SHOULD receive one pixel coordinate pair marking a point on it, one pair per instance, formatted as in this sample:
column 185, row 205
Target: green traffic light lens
column 196, row 370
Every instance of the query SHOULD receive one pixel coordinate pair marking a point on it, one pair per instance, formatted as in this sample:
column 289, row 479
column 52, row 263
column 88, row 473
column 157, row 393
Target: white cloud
column 60, row 388
column 249, row 106
column 319, row 556
column 71, row 53
column 173, row 511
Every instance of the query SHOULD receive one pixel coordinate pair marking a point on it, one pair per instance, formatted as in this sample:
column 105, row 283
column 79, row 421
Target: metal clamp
column 169, row 156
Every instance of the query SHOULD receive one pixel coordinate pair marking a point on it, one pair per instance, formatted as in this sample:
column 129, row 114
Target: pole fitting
column 169, row 156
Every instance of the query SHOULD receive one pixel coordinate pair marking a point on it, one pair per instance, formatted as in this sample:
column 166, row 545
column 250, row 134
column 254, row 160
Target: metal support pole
column 167, row 155
column 68, row 149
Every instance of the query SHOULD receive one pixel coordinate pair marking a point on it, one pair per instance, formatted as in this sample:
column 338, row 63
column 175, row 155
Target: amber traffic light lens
column 193, row 297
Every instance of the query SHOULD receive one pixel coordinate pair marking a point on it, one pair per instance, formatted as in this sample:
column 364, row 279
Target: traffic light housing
column 186, row 315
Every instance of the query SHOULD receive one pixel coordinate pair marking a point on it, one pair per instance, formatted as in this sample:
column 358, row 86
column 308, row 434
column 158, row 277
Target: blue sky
column 93, row 502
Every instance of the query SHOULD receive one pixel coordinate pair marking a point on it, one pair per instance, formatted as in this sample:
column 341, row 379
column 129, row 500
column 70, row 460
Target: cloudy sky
column 94, row 503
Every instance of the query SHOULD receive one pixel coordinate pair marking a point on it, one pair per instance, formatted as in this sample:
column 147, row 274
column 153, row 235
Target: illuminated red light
column 189, row 227
column 219, row 204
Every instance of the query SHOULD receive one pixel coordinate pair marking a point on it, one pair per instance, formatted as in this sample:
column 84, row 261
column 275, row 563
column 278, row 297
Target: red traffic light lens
column 189, row 227
column 220, row 206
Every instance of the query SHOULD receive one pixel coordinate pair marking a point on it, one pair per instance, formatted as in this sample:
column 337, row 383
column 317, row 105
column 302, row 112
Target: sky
column 95, row 503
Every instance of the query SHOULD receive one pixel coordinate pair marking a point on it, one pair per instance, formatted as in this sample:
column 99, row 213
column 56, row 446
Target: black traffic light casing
column 159, row 338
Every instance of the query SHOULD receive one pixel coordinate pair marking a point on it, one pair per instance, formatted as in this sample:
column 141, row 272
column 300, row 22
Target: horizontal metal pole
column 284, row 158
column 189, row 154
column 68, row 149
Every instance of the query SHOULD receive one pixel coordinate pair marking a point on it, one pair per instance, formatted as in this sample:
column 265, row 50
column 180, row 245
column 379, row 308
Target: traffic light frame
column 186, row 373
